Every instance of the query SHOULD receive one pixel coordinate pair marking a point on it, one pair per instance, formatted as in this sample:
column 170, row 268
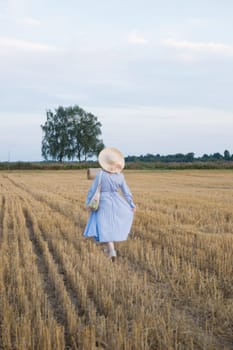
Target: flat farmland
column 171, row 286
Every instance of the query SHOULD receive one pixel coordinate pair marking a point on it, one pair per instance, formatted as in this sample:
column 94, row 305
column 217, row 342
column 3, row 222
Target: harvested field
column 170, row 288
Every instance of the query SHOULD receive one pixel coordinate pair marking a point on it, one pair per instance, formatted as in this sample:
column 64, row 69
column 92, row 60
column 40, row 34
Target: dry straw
column 171, row 287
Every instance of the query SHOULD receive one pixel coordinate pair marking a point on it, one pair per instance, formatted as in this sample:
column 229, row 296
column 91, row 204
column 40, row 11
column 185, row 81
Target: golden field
column 170, row 288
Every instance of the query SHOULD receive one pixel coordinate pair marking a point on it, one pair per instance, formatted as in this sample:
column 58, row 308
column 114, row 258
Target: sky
column 158, row 74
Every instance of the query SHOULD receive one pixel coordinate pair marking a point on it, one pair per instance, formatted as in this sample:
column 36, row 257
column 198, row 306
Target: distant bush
column 180, row 165
column 181, row 158
column 46, row 165
column 134, row 165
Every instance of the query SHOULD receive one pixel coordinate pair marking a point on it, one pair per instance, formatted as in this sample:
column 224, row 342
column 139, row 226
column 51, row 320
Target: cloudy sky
column 158, row 74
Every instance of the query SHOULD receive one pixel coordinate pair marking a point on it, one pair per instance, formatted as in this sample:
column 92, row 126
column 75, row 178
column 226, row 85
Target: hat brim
column 111, row 160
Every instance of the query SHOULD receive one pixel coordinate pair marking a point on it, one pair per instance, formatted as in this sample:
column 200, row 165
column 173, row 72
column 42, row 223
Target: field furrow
column 56, row 201
column 170, row 288
column 58, row 295
column 196, row 312
column 26, row 322
column 2, row 214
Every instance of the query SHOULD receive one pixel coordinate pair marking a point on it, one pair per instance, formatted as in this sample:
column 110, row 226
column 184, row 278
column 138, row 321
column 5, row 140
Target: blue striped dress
column 113, row 219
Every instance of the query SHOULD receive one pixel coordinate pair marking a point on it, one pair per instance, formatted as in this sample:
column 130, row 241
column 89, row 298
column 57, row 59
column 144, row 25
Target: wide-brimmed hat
column 111, row 160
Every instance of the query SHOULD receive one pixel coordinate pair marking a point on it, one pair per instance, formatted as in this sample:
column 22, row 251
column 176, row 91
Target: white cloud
column 18, row 8
column 199, row 47
column 136, row 38
column 32, row 22
column 193, row 115
column 71, row 97
column 23, row 45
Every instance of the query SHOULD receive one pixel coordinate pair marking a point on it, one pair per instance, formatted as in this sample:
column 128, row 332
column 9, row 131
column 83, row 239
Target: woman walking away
column 112, row 221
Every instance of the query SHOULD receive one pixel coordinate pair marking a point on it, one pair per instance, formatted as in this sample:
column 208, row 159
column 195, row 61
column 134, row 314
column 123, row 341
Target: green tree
column 56, row 141
column 71, row 132
column 189, row 157
column 227, row 155
column 86, row 133
column 217, row 156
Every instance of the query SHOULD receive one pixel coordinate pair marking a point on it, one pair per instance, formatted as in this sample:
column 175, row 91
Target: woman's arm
column 93, row 188
column 127, row 193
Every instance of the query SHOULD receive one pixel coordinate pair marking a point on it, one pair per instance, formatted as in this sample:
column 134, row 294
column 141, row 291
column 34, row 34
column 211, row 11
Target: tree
column 227, row 155
column 71, row 132
column 205, row 157
column 217, row 156
column 56, row 140
column 87, row 130
column 189, row 157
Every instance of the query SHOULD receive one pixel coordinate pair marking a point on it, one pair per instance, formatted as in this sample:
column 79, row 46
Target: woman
column 113, row 219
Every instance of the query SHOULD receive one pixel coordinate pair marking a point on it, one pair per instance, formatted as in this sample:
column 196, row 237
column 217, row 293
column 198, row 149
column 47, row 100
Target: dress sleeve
column 92, row 189
column 127, row 193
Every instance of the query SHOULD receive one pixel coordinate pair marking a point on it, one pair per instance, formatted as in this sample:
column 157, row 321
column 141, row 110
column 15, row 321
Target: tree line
column 181, row 158
column 71, row 133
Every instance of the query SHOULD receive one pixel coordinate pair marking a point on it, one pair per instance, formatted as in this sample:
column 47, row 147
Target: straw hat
column 111, row 160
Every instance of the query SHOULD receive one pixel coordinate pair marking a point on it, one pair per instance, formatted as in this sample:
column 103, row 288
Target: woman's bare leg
column 111, row 250
column 110, row 246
